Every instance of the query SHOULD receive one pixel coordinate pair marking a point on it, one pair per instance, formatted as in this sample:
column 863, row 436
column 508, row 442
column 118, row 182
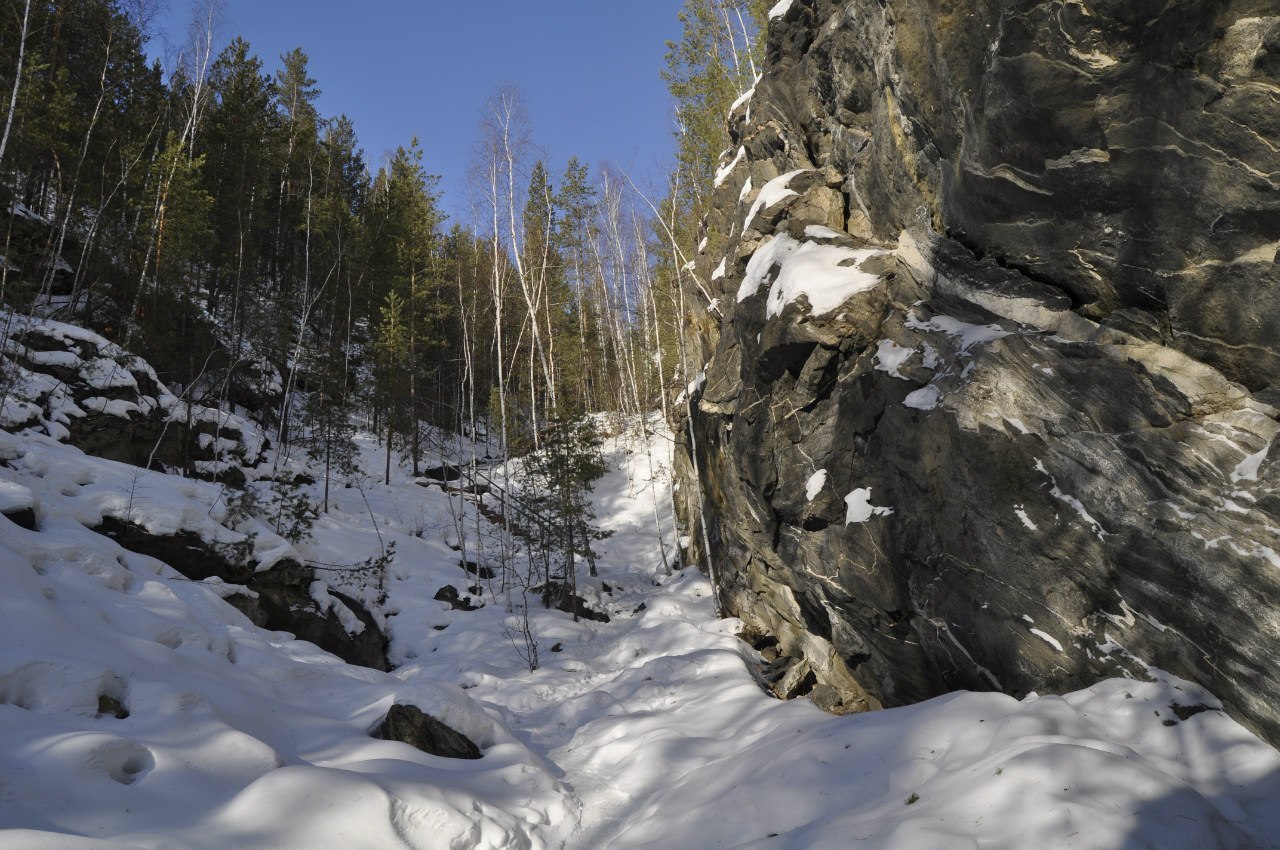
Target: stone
column 23, row 518
column 1050, row 428
column 479, row 570
column 450, row 594
column 562, row 599
column 409, row 725
column 111, row 404
column 285, row 599
column 444, row 472
column 280, row 597
column 109, row 706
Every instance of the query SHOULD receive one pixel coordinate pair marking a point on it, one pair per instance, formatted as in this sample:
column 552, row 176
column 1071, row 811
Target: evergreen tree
column 240, row 124
column 580, row 372
column 713, row 63
column 391, row 343
column 558, row 507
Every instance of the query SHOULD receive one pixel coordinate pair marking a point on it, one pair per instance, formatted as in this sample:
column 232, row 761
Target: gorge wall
column 993, row 356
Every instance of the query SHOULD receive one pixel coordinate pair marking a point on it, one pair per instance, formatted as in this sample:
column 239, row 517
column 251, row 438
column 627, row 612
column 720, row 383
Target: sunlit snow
column 827, row 275
column 771, row 193
column 650, row 731
column 815, row 484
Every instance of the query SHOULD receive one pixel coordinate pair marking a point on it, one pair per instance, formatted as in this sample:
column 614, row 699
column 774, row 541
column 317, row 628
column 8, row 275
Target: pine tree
column 713, row 63
column 239, row 126
column 558, row 505
column 580, row 372
column 391, row 344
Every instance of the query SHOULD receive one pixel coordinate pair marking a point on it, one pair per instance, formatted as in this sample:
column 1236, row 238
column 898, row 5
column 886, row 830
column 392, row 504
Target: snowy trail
column 648, row 731
column 656, row 723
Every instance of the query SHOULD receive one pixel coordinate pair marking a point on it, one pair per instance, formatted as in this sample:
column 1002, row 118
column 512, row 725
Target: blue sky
column 588, row 69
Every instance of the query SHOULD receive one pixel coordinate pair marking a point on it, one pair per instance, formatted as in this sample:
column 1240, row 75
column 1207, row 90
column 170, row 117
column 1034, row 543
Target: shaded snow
column 890, row 357
column 722, row 173
column 925, row 398
column 1072, row 502
column 1047, row 638
column 860, row 507
column 969, row 335
column 1247, row 469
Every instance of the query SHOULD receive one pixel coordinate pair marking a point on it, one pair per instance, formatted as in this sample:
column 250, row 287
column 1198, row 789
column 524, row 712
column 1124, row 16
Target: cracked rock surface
column 993, row 366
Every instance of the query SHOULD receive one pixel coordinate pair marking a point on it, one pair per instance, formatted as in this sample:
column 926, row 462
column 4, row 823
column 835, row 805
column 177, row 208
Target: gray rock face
column 992, row 368
column 76, row 386
column 408, row 724
column 278, row 599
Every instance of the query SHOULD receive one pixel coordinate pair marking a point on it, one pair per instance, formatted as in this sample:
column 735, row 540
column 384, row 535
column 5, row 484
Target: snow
column 925, row 398
column 649, row 731
column 103, row 374
column 773, row 192
column 319, row 593
column 860, row 507
column 826, row 275
column 819, row 231
column 814, row 485
column 696, row 384
column 1072, row 502
column 779, row 9
column 722, row 174
column 43, row 400
column 770, row 253
column 1047, row 638
column 720, row 269
column 1247, row 470
column 21, row 210
column 14, row 497
column 970, row 335
column 111, row 406
column 890, row 357
column 1026, row 520
column 236, row 737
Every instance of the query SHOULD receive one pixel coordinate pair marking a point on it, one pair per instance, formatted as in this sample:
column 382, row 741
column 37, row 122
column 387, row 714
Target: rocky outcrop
column 991, row 370
column 74, row 385
column 287, row 597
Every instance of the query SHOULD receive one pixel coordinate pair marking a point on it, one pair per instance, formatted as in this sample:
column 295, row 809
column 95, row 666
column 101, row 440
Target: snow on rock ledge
column 75, row 385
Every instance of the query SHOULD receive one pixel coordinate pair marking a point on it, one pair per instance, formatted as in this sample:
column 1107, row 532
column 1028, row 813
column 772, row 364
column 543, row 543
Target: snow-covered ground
column 647, row 731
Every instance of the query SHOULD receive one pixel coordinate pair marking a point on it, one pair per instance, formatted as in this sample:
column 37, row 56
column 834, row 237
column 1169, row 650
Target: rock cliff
column 992, row 365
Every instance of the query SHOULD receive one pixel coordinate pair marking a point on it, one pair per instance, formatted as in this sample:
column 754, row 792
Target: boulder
column 409, row 725
column 457, row 602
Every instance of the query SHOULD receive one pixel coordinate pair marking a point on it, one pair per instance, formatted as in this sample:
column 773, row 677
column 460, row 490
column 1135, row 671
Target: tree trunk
column 17, row 79
column 413, row 369
column 387, row 474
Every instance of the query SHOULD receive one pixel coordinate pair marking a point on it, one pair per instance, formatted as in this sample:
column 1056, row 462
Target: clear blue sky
column 588, row 69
